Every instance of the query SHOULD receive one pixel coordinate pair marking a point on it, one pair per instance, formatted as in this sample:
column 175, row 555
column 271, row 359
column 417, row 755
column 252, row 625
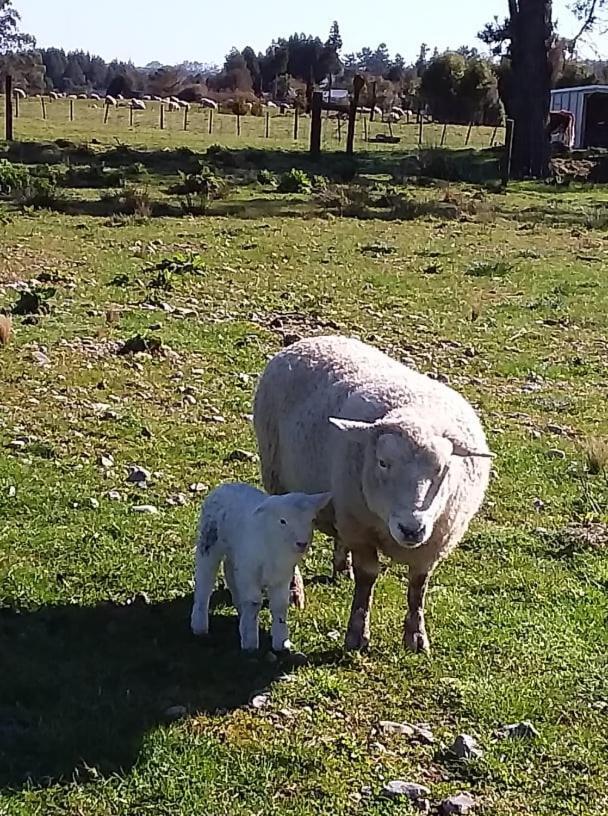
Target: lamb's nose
column 302, row 545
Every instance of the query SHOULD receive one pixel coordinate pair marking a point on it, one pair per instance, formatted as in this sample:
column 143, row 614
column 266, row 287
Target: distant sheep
column 399, row 111
column 271, row 104
column 392, row 117
column 183, row 104
column 172, row 106
column 147, row 98
column 260, row 539
column 111, row 102
column 138, row 104
column 95, row 96
column 404, row 456
column 157, row 98
column 53, row 95
column 209, row 103
column 20, row 93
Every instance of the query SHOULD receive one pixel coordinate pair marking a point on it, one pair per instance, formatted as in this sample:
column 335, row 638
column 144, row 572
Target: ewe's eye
column 283, row 521
column 382, row 464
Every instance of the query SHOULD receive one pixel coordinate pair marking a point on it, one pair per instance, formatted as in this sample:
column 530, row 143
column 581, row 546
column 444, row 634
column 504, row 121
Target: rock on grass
column 400, row 789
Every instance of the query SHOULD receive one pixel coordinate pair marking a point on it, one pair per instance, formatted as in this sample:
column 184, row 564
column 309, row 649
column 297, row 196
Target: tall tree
column 11, row 38
column 253, row 66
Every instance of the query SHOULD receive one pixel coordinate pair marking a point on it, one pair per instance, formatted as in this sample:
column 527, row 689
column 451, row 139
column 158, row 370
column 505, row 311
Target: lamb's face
column 404, row 483
column 405, row 475
column 289, row 519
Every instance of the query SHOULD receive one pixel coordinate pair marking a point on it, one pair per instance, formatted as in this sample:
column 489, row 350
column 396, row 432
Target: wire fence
column 43, row 118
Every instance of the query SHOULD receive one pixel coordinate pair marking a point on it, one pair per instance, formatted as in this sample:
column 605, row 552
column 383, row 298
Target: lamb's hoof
column 199, row 631
column 297, row 599
column 416, row 642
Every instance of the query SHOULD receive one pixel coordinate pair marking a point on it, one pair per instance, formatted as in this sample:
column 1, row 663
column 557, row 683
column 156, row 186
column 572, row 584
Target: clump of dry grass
column 6, row 329
column 596, row 455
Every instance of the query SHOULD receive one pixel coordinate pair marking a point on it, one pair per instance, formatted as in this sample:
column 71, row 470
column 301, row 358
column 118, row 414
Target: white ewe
column 260, row 539
column 404, row 457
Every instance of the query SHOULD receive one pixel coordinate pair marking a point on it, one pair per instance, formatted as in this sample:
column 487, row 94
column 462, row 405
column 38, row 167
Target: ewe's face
column 290, row 519
column 404, row 484
column 404, row 480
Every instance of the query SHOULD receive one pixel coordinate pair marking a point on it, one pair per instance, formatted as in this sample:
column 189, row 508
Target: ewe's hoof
column 357, row 635
column 416, row 642
column 356, row 643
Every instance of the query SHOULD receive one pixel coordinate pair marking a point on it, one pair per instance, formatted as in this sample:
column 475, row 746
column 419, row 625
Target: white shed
column 589, row 106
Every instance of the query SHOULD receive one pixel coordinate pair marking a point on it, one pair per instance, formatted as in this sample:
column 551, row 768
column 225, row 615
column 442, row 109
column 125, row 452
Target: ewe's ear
column 461, row 450
column 358, row 431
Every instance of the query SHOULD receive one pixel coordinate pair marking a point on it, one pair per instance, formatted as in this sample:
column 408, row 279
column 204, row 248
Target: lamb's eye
column 283, row 521
column 382, row 464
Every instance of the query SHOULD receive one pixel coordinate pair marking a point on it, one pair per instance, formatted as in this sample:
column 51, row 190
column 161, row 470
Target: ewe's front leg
column 414, row 633
column 278, row 598
column 366, row 569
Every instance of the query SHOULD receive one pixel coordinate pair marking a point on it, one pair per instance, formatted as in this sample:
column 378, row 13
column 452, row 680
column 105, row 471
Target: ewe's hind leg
column 343, row 562
column 297, row 596
column 231, row 582
column 207, row 564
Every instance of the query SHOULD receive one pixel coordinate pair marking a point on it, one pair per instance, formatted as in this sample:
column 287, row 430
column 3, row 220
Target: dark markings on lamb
column 209, row 537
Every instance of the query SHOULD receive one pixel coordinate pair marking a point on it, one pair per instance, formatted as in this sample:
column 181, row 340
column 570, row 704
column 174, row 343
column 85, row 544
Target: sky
column 203, row 31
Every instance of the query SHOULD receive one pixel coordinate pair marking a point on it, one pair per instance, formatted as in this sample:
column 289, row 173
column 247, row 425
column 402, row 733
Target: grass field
column 107, row 705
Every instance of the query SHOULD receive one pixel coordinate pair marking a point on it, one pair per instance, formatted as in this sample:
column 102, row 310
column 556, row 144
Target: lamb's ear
column 358, row 431
column 320, row 500
column 461, row 450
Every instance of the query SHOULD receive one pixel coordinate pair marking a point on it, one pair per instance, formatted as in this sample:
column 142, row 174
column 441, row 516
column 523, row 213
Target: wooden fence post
column 365, row 129
column 8, row 101
column 238, row 123
column 16, row 98
column 493, row 139
column 130, row 116
column 267, row 131
column 186, row 118
column 469, row 131
column 106, row 113
column 162, row 116
column 421, row 130
column 210, row 121
column 443, row 134
column 71, row 110
column 296, row 122
column 373, row 110
column 339, row 128
column 43, row 105
column 506, row 165
column 315, row 124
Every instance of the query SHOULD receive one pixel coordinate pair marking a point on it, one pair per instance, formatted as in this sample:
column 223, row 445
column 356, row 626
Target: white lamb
column 260, row 539
column 404, row 457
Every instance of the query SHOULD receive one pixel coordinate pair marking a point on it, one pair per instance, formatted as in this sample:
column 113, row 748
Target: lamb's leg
column 249, row 626
column 231, row 582
column 278, row 598
column 366, row 569
column 297, row 597
column 414, row 632
column 207, row 564
column 343, row 563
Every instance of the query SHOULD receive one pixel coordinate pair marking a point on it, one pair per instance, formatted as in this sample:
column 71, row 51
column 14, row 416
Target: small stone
column 333, row 635
column 519, row 730
column 461, row 803
column 198, row 487
column 137, row 475
column 94, row 504
column 178, row 500
column 390, row 727
column 106, row 460
column 538, row 504
column 109, row 415
column 150, row 509
column 40, row 358
column 366, row 792
column 240, row 456
column 217, row 418
column 259, row 700
column 114, row 495
column 17, row 444
column 190, row 399
column 465, row 747
column 556, row 453
column 176, row 712
column 398, row 789
column 423, row 734
column 422, row 805
column 12, row 491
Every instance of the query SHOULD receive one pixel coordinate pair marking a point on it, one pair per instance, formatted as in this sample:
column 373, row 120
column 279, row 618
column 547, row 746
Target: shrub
column 267, row 177
column 130, row 201
column 13, row 177
column 179, row 264
column 295, row 181
column 94, row 176
column 26, row 188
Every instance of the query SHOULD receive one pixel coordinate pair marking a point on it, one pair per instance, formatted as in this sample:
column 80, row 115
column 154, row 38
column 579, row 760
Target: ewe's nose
column 414, row 535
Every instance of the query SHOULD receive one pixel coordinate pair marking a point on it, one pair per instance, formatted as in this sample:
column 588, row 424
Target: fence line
column 294, row 126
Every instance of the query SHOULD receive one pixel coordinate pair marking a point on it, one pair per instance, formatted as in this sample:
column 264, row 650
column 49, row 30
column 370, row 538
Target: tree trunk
column 531, row 39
